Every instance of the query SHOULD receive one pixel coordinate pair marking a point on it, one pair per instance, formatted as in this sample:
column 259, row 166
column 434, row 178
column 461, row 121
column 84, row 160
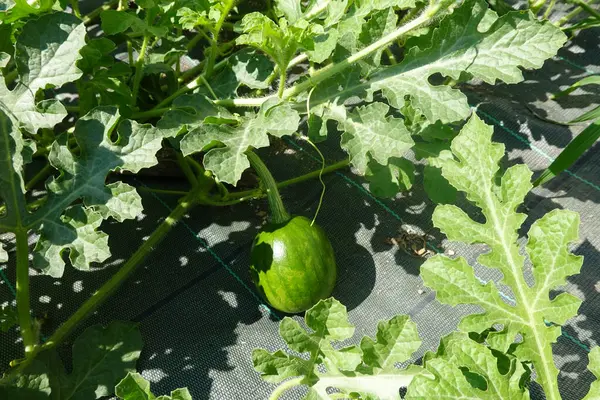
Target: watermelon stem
column 279, row 215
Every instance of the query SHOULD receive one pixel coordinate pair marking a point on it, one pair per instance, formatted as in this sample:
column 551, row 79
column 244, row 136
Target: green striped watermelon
column 293, row 265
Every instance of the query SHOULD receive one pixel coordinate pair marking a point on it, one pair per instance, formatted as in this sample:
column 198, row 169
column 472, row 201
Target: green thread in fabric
column 7, row 282
column 581, row 67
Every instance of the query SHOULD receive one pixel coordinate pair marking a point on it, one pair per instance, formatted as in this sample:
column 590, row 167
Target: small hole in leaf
column 504, row 362
column 475, row 380
column 114, row 136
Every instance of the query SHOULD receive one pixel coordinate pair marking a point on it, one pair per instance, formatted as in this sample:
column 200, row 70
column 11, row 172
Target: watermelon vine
column 212, row 82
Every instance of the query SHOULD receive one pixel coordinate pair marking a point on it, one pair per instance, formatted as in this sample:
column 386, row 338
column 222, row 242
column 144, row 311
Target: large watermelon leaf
column 104, row 145
column 46, row 53
column 101, row 356
column 534, row 315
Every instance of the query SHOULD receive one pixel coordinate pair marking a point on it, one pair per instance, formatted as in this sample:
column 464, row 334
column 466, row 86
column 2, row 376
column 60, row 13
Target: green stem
column 285, row 386
column 129, row 52
column 89, row 18
column 23, row 303
column 194, row 71
column 190, row 86
column 185, row 168
column 390, row 55
column 334, row 69
column 72, row 109
column 295, row 61
column 253, row 194
column 163, row 191
column 536, row 5
column 75, row 7
column 315, row 174
column 41, row 175
column 585, row 6
column 575, row 12
column 592, row 23
column 196, row 165
column 208, row 87
column 316, row 10
column 117, row 279
column 214, row 48
column 278, row 213
column 139, row 67
column 194, row 41
column 282, row 79
column 549, row 9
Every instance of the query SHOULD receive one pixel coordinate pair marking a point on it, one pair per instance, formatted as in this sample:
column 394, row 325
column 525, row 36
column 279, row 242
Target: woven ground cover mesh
column 200, row 316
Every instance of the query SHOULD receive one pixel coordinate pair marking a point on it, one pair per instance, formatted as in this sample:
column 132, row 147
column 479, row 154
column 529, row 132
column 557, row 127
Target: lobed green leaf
column 458, row 45
column 534, row 316
column 46, row 54
column 226, row 144
column 101, row 355
column 367, row 371
column 465, row 369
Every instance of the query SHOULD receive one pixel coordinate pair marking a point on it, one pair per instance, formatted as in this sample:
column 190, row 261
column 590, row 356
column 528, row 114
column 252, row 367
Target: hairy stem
column 75, row 7
column 549, row 9
column 285, row 386
column 23, row 303
column 282, row 79
column 185, row 168
column 568, row 17
column 190, row 86
column 194, row 41
column 536, row 5
column 279, row 215
column 89, row 18
column 317, row 9
column 139, row 64
column 586, row 7
column 214, row 48
column 192, row 72
column 253, row 194
column 41, row 175
column 162, row 191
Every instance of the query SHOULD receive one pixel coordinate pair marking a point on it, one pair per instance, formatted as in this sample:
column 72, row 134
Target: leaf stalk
column 23, row 301
column 279, row 215
column 214, row 48
column 284, row 387
column 139, row 67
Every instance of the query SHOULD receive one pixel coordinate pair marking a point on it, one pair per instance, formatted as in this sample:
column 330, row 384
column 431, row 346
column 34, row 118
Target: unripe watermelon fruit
column 293, row 265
